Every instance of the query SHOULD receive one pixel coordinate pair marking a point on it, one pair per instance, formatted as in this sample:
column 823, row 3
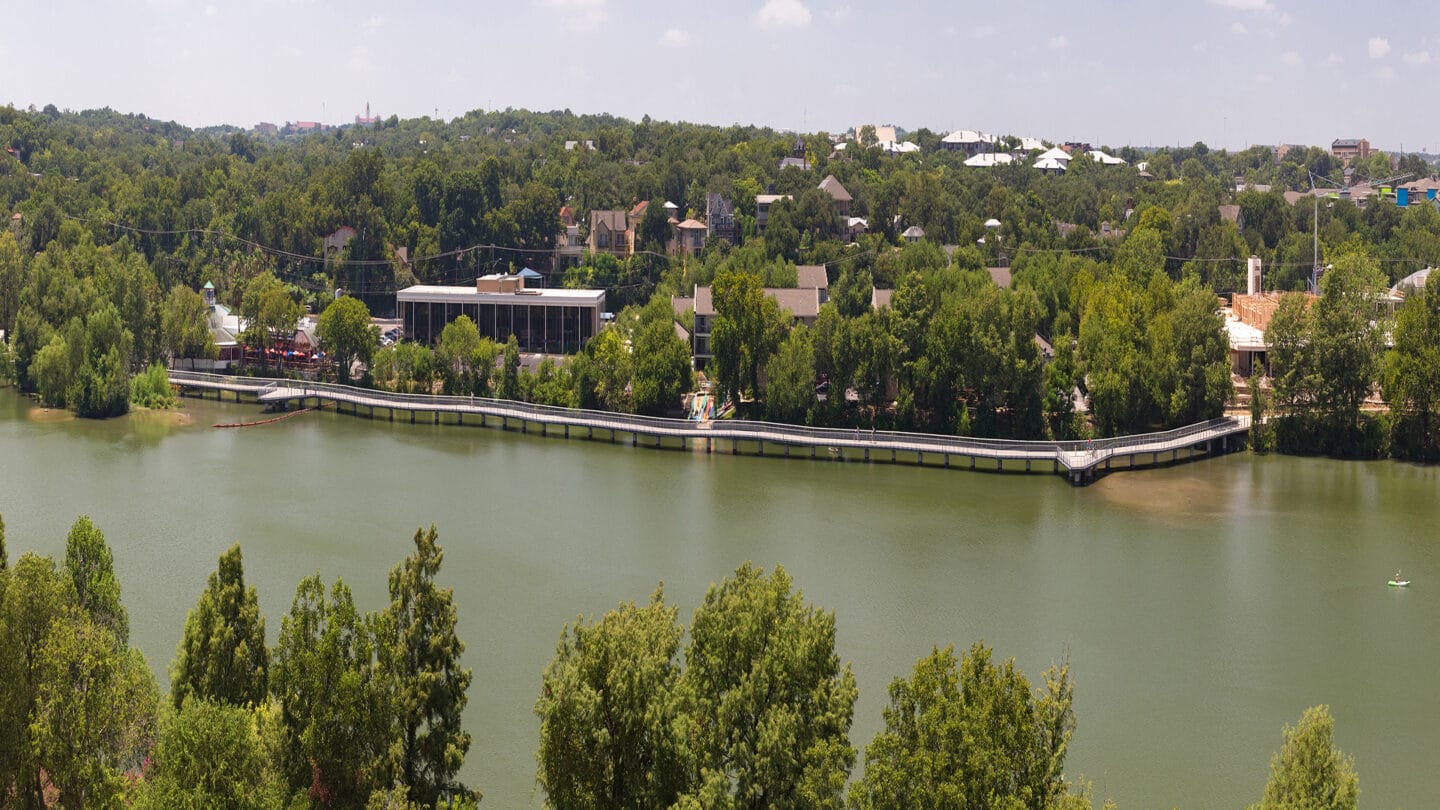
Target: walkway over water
column 1080, row 461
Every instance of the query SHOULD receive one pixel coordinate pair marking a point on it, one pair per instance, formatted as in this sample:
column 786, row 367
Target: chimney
column 1253, row 284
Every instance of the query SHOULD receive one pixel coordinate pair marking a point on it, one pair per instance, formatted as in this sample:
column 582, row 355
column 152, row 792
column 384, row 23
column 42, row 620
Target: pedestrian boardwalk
column 1079, row 461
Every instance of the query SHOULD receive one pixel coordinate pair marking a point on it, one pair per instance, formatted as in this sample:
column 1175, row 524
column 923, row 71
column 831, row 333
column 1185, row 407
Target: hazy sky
column 1229, row 72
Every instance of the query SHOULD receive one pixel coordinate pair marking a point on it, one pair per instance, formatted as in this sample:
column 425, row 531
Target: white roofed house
column 1057, row 154
column 988, row 160
column 1105, row 159
column 968, row 141
column 899, row 147
column 1050, row 165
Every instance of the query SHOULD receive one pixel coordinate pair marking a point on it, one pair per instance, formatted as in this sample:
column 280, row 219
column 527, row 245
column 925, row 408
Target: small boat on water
column 1397, row 582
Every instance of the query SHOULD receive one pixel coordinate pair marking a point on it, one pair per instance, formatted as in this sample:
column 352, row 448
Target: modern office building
column 547, row 321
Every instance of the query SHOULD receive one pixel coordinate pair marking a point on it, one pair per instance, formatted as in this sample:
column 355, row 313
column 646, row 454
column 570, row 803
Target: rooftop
column 799, row 303
column 811, row 277
column 832, row 186
column 468, row 294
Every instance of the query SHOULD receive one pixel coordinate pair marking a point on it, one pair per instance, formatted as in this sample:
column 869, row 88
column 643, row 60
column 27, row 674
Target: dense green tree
column 1412, row 368
column 769, row 704
column 222, row 657
column 660, row 361
column 458, row 355
column 206, row 755
column 1197, row 350
column 608, row 371
column 747, row 329
column 609, row 730
column 34, row 598
column 270, row 313
column 95, row 709
column 100, row 354
column 653, row 232
column 1309, row 771
column 510, row 370
column 1059, row 403
column 970, row 734
column 335, row 715
column 790, row 379
column 91, row 568
column 12, row 280
column 1326, row 357
column 347, row 335
column 419, row 656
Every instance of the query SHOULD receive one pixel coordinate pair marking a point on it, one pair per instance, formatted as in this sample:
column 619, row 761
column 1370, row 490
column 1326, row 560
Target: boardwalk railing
column 1078, row 455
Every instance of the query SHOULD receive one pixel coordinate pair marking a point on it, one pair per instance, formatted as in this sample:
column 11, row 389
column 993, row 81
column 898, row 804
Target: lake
column 1201, row 606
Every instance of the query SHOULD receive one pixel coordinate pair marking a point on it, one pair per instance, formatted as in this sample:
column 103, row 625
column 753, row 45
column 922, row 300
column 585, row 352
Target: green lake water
column 1202, row 606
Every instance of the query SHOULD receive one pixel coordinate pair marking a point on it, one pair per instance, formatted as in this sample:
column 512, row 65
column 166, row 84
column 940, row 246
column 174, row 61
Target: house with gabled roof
column 689, row 237
column 841, row 198
column 813, row 277
column 720, row 219
column 803, row 305
column 609, row 233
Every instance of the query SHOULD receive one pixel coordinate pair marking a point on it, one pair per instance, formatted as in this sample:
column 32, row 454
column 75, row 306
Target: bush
column 151, row 388
column 1309, row 435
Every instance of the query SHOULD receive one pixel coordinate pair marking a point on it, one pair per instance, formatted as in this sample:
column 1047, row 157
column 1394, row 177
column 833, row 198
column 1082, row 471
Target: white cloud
column 1246, row 5
column 842, row 14
column 777, row 14
column 211, row 10
column 579, row 15
column 1292, row 59
column 1417, row 58
column 1058, row 42
column 1239, row 29
column 1377, row 47
column 675, row 38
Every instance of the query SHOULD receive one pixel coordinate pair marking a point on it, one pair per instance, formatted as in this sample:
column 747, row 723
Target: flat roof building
column 547, row 321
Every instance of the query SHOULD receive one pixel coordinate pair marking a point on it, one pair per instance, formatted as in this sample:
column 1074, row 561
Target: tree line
column 1109, row 265
column 346, row 710
column 749, row 707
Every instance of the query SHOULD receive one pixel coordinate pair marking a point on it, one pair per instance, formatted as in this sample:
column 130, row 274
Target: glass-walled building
column 543, row 321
